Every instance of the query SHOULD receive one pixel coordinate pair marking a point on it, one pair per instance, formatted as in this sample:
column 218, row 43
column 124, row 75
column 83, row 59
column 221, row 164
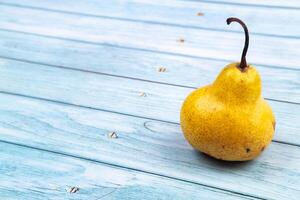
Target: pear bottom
column 230, row 132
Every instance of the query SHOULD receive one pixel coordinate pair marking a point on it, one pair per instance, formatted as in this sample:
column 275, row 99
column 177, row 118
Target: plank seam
column 140, row 49
column 144, row 21
column 110, row 111
column 120, row 76
column 129, row 168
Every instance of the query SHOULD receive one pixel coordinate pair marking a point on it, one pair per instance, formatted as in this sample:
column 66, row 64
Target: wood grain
column 161, row 102
column 264, row 50
column 181, row 13
column 46, row 175
column 73, row 73
column 291, row 4
column 145, row 145
column 180, row 70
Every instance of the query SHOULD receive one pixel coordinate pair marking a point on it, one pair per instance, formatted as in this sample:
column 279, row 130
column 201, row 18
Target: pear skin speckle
column 229, row 119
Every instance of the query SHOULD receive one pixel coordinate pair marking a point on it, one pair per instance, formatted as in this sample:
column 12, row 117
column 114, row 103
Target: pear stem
column 243, row 64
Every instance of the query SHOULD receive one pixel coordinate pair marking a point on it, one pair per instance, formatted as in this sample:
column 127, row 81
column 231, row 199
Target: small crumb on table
column 143, row 94
column 181, row 40
column 72, row 189
column 112, row 135
column 162, row 69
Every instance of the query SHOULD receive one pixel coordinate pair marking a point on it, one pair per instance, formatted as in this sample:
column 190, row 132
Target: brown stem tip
column 243, row 65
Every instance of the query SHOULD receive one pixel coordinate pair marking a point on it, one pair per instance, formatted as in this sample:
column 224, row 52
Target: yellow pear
column 229, row 119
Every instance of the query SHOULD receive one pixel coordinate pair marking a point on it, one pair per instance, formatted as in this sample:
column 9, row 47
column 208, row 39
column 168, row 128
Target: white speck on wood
column 113, row 135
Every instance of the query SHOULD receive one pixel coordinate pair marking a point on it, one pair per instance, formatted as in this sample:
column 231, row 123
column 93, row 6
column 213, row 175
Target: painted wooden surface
column 98, row 91
column 291, row 4
column 147, row 145
column 72, row 73
column 190, row 14
column 265, row 50
column 48, row 175
column 133, row 63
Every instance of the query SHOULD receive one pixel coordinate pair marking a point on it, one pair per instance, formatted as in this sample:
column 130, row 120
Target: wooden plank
column 147, row 145
column 32, row 174
column 182, row 13
column 205, row 43
column 122, row 95
column 291, row 4
column 180, row 70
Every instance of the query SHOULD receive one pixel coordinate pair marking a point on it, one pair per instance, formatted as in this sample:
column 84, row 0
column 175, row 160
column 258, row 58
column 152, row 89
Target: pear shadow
column 222, row 164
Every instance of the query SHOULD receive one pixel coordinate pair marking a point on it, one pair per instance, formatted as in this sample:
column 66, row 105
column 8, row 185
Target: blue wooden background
column 73, row 72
